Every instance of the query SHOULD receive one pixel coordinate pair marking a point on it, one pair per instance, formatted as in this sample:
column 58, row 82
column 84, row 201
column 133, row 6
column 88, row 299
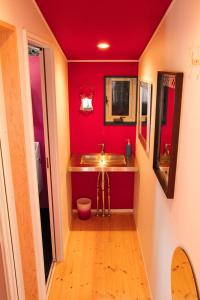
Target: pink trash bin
column 84, row 208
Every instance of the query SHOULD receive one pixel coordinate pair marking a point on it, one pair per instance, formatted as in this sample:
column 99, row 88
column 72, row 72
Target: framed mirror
column 144, row 122
column 183, row 283
column 168, row 107
column 120, row 102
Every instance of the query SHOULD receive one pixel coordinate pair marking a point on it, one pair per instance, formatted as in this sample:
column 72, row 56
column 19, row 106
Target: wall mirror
column 144, row 122
column 183, row 284
column 120, row 101
column 168, row 107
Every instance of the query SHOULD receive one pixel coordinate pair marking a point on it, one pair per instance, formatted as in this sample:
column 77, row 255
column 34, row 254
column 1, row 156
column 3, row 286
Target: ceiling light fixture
column 103, row 45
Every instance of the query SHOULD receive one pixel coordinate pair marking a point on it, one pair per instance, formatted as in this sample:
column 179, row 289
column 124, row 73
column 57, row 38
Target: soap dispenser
column 128, row 149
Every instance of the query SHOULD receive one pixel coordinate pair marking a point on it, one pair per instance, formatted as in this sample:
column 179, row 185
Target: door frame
column 47, row 150
column 29, row 38
column 8, row 215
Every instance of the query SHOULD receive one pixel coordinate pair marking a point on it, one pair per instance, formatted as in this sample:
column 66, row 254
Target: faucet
column 102, row 148
column 166, row 149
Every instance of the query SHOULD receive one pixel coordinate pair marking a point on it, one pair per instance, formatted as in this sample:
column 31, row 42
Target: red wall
column 88, row 130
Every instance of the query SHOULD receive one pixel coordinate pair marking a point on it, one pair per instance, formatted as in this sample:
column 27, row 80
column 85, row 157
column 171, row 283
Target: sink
column 97, row 162
column 103, row 159
column 164, row 171
column 90, row 159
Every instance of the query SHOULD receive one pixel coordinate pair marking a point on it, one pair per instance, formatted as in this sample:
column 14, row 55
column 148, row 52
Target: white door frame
column 47, row 150
column 54, row 157
column 8, row 218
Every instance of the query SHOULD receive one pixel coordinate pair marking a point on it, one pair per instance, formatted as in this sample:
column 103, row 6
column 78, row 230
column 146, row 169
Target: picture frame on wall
column 144, row 116
column 120, row 100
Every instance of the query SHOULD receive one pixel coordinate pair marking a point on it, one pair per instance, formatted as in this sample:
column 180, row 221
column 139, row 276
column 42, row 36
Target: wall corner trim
column 102, row 61
column 144, row 262
column 47, row 25
column 156, row 30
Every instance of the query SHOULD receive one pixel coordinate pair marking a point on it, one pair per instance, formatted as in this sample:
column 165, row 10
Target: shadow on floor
column 46, row 240
column 116, row 222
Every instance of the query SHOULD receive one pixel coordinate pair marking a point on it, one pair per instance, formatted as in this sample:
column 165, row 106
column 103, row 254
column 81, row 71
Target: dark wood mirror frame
column 169, row 184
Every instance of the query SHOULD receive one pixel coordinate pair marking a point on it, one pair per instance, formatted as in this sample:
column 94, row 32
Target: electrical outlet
column 196, row 61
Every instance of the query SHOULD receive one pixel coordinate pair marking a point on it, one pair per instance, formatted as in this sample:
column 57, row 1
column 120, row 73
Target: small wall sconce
column 86, row 95
column 86, row 103
column 195, row 56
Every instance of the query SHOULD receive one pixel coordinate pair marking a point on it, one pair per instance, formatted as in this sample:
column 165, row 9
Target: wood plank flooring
column 103, row 261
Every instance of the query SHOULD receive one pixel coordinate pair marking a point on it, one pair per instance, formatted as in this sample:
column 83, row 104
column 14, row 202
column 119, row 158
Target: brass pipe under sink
column 108, row 181
column 103, row 193
column 98, row 186
column 101, row 183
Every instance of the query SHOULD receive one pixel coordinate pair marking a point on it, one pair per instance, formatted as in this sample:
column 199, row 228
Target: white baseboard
column 144, row 262
column 115, row 210
column 50, row 279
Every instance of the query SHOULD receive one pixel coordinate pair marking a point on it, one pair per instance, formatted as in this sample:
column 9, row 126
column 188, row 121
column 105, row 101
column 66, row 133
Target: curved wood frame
column 181, row 268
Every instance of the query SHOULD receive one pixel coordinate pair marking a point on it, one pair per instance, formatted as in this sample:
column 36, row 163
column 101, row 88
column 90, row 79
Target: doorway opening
column 42, row 153
column 12, row 284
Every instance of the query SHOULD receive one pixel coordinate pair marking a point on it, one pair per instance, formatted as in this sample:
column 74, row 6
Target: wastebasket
column 84, row 208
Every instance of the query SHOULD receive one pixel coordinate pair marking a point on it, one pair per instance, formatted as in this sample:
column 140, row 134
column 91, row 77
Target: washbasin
column 164, row 171
column 106, row 159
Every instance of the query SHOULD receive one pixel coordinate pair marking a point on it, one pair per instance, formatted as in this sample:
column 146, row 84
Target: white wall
column 163, row 224
column 24, row 15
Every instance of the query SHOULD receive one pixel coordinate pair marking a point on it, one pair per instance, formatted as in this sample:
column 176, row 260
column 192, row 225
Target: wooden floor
column 103, row 261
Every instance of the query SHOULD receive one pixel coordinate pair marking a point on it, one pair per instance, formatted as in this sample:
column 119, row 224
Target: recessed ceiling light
column 103, row 45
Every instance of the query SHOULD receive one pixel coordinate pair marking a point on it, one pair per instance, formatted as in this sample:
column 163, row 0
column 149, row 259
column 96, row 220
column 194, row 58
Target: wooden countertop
column 76, row 166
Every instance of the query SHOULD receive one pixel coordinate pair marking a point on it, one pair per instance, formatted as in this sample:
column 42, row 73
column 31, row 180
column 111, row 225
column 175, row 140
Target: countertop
column 76, row 166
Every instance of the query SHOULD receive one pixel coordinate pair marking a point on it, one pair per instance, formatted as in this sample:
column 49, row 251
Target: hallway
column 103, row 261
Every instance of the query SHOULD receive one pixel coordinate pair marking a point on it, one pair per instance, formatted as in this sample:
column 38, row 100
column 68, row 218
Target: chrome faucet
column 102, row 148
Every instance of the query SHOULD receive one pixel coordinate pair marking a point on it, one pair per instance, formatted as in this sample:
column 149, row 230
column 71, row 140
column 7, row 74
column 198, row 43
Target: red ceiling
column 80, row 24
